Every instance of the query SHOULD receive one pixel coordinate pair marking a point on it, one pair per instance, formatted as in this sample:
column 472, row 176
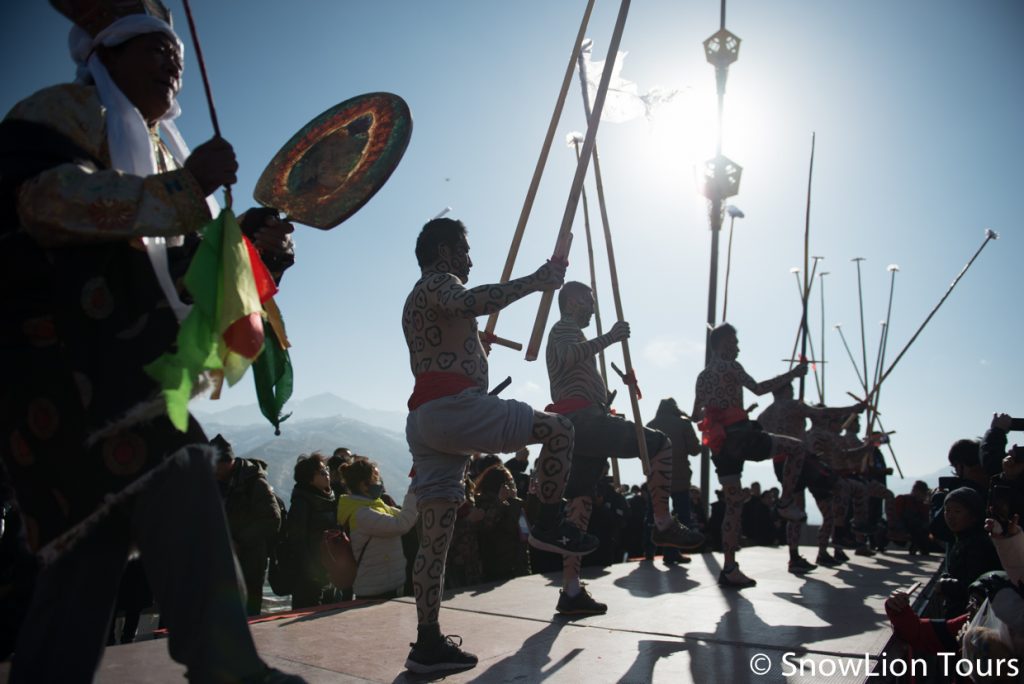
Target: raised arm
column 766, row 386
column 571, row 350
column 458, row 301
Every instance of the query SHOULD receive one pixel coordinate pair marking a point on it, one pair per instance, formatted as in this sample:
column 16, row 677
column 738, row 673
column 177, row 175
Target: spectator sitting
column 971, row 552
column 340, row 457
column 932, row 636
column 376, row 530
column 503, row 547
column 313, row 510
column 254, row 517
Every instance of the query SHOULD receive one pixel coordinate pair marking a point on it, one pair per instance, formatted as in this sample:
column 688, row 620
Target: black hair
column 307, row 467
column 570, row 290
column 358, row 471
column 437, row 232
column 965, row 452
column 719, row 333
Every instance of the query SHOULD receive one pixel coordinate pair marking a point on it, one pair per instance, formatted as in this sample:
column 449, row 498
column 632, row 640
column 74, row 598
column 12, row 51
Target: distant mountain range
column 321, row 423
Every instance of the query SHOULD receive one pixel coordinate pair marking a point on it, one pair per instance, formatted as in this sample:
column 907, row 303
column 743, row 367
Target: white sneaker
column 792, row 512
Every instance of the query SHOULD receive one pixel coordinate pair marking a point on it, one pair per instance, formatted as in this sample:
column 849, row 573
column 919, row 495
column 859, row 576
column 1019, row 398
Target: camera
column 1017, row 424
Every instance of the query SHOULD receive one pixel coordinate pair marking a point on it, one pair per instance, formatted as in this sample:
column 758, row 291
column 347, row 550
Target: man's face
column 457, row 258
column 729, row 347
column 147, row 69
column 583, row 309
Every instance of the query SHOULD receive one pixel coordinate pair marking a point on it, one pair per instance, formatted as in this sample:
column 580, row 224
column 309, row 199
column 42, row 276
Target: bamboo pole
column 562, row 243
column 538, row 171
column 593, row 273
column 613, row 274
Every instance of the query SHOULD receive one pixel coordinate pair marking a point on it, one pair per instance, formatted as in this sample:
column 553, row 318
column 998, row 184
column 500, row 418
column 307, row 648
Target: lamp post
column 721, row 181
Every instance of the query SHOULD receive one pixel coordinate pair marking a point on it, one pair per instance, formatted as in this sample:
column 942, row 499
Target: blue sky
column 916, row 106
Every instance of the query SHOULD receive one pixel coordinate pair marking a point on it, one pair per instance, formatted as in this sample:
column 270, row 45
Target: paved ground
column 663, row 625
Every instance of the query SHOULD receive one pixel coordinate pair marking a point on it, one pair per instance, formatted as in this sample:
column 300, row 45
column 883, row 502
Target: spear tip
column 991, row 234
column 892, row 268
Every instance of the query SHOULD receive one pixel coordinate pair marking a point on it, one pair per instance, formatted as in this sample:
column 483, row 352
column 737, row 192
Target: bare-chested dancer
column 788, row 416
column 848, row 463
column 579, row 393
column 733, row 439
column 451, row 416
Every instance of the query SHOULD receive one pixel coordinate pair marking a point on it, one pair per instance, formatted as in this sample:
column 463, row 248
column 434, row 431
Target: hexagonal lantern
column 722, row 48
column 721, row 178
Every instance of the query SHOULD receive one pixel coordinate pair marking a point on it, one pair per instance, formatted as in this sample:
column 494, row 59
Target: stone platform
column 663, row 625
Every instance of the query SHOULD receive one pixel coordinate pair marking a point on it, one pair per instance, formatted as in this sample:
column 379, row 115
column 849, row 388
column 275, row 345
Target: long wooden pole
column 572, row 203
column 807, row 243
column 863, row 343
column 613, row 274
column 880, row 361
column 989, row 235
column 538, row 171
column 593, row 279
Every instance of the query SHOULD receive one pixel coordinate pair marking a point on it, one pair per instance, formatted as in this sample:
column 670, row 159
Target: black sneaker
column 840, row 555
column 863, row 550
column 735, row 579
column 800, row 565
column 565, row 539
column 580, row 604
column 677, row 535
column 825, row 560
column 443, row 655
column 843, row 538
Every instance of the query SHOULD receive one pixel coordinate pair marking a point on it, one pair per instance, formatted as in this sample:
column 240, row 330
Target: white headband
column 131, row 150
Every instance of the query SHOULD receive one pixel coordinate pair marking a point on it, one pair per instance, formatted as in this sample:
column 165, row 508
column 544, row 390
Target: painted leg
column 437, row 526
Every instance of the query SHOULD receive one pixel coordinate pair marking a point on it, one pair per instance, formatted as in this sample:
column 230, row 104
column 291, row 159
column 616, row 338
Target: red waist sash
column 436, row 384
column 714, row 423
column 568, row 405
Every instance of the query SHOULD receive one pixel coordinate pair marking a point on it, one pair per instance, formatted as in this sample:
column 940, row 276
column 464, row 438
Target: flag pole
column 562, row 244
column 613, row 275
column 538, row 171
column 206, row 84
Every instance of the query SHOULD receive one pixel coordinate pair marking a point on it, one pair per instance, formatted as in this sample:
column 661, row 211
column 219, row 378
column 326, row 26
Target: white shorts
column 443, row 433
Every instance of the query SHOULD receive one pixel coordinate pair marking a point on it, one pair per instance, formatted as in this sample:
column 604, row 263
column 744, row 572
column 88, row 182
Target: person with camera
column 993, row 444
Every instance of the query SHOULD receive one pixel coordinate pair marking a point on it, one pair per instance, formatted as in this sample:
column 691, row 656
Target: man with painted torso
column 733, row 439
column 579, row 393
column 451, row 416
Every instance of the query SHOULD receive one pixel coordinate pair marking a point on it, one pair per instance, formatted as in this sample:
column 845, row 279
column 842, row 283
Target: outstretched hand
column 551, row 275
column 619, row 331
column 799, row 370
column 213, row 164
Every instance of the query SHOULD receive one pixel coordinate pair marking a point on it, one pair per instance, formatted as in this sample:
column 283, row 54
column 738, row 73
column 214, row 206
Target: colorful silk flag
column 223, row 333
